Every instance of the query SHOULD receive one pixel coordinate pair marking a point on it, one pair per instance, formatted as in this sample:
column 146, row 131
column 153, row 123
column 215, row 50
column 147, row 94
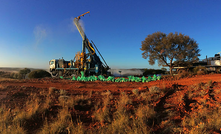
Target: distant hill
column 16, row 69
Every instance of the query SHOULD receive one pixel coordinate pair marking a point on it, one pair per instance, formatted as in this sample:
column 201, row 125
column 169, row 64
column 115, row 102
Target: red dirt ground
column 176, row 100
column 112, row 86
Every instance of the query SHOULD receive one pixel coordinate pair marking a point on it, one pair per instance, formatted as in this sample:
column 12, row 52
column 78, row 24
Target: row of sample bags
column 112, row 78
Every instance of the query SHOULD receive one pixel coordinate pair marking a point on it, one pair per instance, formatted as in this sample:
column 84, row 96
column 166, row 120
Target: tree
column 23, row 72
column 164, row 69
column 177, row 48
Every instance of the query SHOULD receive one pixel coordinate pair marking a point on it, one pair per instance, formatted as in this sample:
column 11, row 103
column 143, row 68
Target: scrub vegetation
column 175, row 109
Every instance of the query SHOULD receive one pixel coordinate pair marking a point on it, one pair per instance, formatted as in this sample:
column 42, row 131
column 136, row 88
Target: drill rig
column 87, row 60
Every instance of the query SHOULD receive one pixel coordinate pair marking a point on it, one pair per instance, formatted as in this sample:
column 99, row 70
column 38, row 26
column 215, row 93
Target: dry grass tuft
column 135, row 92
column 210, row 83
column 66, row 101
column 145, row 112
column 154, row 89
column 103, row 113
column 63, row 92
column 108, row 92
column 90, row 93
column 63, row 124
column 2, row 88
column 51, row 90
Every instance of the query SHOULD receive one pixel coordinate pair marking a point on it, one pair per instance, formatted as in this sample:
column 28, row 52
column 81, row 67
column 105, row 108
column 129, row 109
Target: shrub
column 23, row 72
column 15, row 75
column 39, row 74
column 199, row 68
column 183, row 74
column 200, row 72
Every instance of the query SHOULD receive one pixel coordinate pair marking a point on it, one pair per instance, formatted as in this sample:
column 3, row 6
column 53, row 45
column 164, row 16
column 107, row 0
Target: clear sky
column 32, row 32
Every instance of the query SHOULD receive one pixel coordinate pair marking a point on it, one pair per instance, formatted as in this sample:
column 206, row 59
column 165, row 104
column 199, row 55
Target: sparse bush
column 199, row 70
column 39, row 74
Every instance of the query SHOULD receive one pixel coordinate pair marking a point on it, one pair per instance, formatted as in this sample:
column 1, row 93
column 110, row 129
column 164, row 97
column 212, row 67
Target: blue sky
column 32, row 32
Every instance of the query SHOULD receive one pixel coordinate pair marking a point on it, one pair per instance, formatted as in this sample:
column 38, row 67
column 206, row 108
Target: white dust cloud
column 73, row 27
column 40, row 34
column 126, row 72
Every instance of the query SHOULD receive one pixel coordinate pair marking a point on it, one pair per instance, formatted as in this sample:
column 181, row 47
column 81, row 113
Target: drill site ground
column 76, row 86
column 175, row 103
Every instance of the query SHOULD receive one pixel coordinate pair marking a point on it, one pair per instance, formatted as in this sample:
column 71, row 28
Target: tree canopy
column 170, row 49
column 23, row 72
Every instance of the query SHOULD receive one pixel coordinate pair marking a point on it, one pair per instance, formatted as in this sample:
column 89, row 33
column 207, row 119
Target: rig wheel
column 60, row 73
column 218, row 70
column 54, row 73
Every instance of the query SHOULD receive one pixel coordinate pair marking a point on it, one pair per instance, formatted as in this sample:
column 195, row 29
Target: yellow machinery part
column 83, row 58
column 91, row 47
column 82, row 15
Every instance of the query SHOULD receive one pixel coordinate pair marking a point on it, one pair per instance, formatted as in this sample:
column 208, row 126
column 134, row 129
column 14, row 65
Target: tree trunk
column 171, row 72
column 171, row 67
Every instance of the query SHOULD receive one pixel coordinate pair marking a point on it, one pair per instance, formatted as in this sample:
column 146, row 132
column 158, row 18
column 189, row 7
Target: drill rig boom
column 95, row 60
